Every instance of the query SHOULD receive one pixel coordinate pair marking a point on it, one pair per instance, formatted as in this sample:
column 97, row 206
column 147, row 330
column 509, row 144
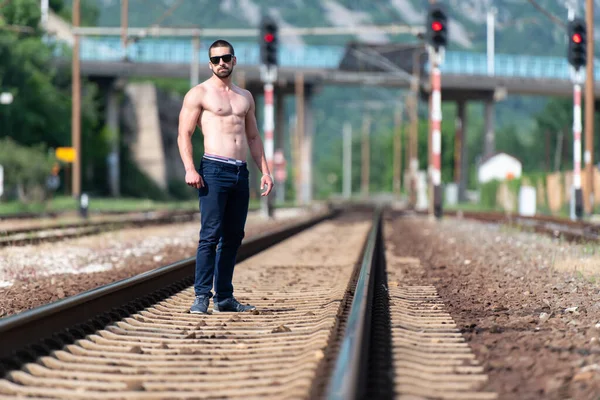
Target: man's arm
column 188, row 118
column 256, row 146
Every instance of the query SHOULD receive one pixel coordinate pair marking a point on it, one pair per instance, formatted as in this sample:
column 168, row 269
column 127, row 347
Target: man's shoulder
column 196, row 93
column 199, row 88
column 244, row 92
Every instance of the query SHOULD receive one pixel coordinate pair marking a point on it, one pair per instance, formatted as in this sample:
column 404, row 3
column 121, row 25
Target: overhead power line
column 547, row 14
column 167, row 13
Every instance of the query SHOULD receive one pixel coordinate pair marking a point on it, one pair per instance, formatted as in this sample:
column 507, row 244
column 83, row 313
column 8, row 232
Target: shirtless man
column 226, row 115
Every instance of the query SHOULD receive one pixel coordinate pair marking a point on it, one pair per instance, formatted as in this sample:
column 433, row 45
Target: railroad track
column 57, row 232
column 327, row 325
column 56, row 214
column 549, row 225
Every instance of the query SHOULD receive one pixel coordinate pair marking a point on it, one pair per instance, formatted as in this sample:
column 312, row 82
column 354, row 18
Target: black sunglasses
column 216, row 59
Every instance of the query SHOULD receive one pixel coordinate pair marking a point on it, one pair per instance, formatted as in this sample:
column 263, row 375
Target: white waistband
column 226, row 160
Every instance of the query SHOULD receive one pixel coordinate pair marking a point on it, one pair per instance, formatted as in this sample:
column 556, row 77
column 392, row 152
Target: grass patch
column 470, row 207
column 108, row 204
column 67, row 203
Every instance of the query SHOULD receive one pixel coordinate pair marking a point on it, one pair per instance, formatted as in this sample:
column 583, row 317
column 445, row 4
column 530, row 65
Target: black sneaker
column 200, row 305
column 231, row 305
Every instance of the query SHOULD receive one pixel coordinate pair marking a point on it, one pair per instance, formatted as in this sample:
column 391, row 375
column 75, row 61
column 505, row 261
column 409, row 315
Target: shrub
column 26, row 170
column 489, row 191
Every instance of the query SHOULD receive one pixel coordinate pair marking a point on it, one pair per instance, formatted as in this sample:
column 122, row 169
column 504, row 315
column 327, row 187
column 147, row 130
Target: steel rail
column 138, row 218
column 349, row 377
column 546, row 224
column 36, row 332
column 68, row 231
column 56, row 214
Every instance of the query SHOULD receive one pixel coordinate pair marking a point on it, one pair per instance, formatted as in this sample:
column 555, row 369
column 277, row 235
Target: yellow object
column 66, row 154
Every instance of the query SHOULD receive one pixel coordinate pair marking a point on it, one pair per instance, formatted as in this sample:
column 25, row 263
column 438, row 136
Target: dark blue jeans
column 223, row 211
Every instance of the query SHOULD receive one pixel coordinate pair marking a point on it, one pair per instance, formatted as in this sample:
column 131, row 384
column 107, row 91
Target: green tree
column 41, row 110
column 88, row 9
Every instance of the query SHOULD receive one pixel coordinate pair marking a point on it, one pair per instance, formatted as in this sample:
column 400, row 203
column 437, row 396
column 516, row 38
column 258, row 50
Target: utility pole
column 458, row 142
column 124, row 26
column 407, row 147
column 76, row 105
column 366, row 152
column 413, row 146
column 491, row 17
column 347, row 162
column 589, row 106
column 299, row 135
column 437, row 41
column 44, row 17
column 397, row 175
column 112, row 111
column 195, row 67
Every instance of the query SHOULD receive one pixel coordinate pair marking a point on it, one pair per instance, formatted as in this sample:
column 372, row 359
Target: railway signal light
column 269, row 42
column 437, row 27
column 576, row 52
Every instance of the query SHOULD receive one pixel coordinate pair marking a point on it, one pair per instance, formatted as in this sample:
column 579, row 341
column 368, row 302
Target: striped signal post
column 578, row 209
column 268, row 52
column 436, row 138
column 437, row 38
column 576, row 54
column 269, row 127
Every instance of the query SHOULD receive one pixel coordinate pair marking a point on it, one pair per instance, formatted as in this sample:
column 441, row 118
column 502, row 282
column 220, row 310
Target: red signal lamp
column 269, row 37
column 576, row 38
column 437, row 26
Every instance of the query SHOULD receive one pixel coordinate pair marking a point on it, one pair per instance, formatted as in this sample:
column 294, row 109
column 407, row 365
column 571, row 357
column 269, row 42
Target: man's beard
column 223, row 73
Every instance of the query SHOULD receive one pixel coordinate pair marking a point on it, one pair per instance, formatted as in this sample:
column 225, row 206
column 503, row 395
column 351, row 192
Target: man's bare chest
column 225, row 105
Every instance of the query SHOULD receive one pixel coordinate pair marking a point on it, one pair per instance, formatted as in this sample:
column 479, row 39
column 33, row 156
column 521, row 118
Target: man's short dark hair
column 221, row 43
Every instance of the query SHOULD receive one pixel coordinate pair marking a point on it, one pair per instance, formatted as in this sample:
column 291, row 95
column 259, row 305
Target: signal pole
column 576, row 54
column 268, row 50
column 437, row 41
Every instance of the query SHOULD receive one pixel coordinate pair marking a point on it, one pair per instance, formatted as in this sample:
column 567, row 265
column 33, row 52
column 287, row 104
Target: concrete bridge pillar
column 147, row 144
column 489, row 146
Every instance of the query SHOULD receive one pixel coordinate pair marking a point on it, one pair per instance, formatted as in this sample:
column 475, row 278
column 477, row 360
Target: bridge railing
column 177, row 50
column 508, row 65
column 181, row 51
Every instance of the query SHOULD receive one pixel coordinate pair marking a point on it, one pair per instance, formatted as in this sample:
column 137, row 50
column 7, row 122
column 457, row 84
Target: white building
column 500, row 166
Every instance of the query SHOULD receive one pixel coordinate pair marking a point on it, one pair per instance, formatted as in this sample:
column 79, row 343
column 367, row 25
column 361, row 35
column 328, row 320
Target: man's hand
column 266, row 181
column 193, row 178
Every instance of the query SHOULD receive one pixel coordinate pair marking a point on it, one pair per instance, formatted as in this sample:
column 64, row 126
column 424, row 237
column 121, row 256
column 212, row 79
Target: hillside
column 517, row 20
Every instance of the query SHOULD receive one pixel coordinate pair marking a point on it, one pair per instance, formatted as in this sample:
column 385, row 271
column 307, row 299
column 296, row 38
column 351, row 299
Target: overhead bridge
column 172, row 57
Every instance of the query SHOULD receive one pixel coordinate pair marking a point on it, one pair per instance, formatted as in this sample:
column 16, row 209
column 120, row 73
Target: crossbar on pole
column 316, row 31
